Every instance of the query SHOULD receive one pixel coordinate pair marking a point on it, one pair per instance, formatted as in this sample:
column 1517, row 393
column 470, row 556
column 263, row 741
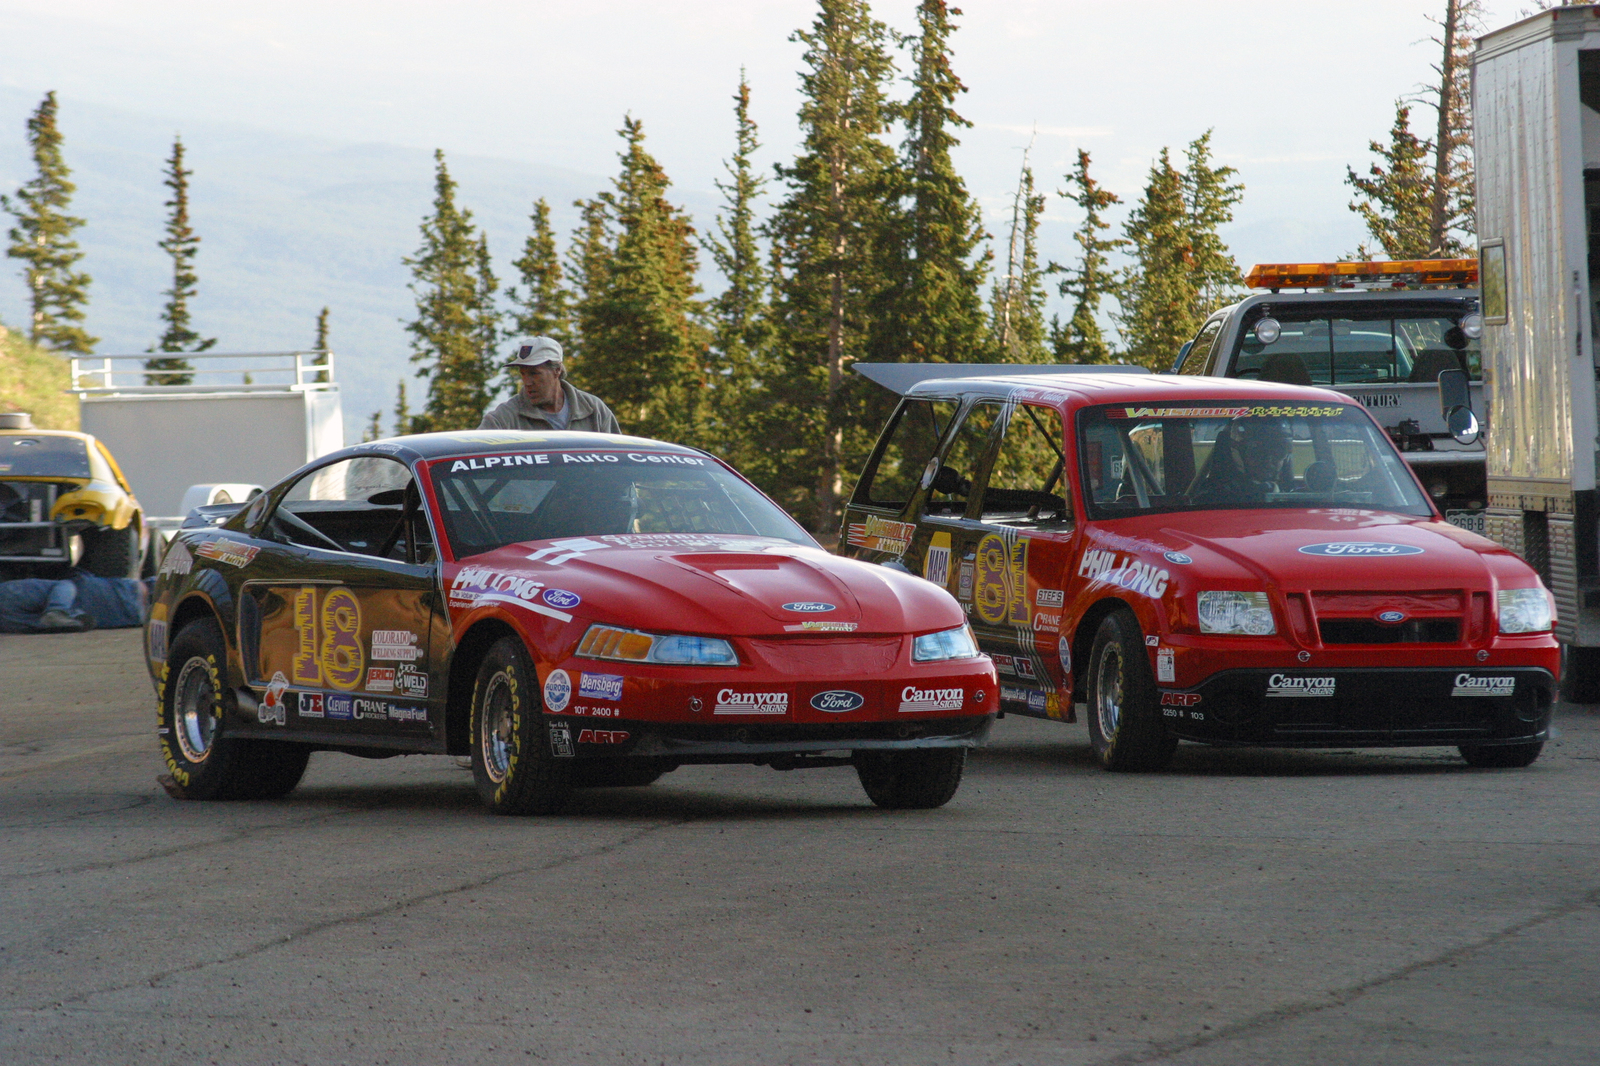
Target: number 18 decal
column 330, row 643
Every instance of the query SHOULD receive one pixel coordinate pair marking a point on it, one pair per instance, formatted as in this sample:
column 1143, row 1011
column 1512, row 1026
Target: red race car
column 1222, row 561
column 571, row 609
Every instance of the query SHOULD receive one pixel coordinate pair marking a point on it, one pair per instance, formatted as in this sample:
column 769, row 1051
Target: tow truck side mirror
column 1183, row 353
column 1455, row 402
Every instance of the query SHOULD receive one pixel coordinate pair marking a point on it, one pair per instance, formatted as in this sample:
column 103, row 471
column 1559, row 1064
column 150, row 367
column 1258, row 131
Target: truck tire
column 513, row 766
column 911, row 780
column 1125, row 728
column 203, row 762
column 111, row 552
column 1580, row 674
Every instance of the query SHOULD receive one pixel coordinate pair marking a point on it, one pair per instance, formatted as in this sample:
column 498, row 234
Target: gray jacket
column 588, row 413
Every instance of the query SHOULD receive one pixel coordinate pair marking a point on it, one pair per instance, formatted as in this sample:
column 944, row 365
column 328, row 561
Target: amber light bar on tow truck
column 1384, row 274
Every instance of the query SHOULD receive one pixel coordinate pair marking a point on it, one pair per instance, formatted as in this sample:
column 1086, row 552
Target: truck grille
column 1431, row 617
column 1366, row 631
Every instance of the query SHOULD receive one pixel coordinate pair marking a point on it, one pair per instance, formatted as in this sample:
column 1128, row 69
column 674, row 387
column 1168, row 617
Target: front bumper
column 763, row 742
column 1364, row 707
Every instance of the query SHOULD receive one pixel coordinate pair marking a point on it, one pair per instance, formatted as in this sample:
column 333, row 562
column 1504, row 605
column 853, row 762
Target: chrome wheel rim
column 1108, row 692
column 194, row 710
column 496, row 729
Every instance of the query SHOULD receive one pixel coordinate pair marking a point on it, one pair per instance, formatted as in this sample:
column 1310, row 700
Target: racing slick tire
column 1125, row 727
column 911, row 780
column 1501, row 757
column 617, row 773
column 112, row 552
column 203, row 763
column 513, row 765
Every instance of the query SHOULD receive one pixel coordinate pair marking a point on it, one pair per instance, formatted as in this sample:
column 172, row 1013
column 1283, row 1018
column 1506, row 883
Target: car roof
column 85, row 437
column 1079, row 389
column 425, row 446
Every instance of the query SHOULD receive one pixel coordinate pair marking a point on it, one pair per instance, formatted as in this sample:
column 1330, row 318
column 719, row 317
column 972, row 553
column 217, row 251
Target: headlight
column 1524, row 610
column 946, row 644
column 630, row 645
column 1247, row 613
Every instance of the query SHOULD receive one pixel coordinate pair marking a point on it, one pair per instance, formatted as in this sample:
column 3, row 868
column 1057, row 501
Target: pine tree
column 931, row 309
column 1395, row 199
column 1017, row 319
column 320, row 343
column 1182, row 268
column 42, row 239
column 1452, row 219
column 542, row 307
column 486, row 320
column 404, row 421
column 1080, row 340
column 740, row 314
column 447, row 336
column 181, row 244
column 374, row 430
column 642, row 348
column 825, row 257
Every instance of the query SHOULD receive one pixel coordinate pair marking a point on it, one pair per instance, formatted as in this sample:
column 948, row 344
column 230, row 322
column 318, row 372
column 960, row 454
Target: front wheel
column 112, row 552
column 1125, row 727
column 1502, row 756
column 512, row 762
column 911, row 780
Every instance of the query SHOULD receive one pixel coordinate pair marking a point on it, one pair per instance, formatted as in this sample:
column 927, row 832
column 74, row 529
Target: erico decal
column 808, row 608
column 557, row 691
column 838, row 701
column 1360, row 549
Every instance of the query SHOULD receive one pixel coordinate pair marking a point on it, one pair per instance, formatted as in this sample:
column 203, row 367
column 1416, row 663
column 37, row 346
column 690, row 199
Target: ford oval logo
column 562, row 598
column 1360, row 549
column 1391, row 617
column 808, row 608
column 1177, row 558
column 838, row 701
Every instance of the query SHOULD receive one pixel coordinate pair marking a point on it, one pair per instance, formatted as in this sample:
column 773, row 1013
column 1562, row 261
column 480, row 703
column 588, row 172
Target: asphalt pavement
column 1345, row 908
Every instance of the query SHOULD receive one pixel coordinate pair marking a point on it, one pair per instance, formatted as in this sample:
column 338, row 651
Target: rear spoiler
column 898, row 378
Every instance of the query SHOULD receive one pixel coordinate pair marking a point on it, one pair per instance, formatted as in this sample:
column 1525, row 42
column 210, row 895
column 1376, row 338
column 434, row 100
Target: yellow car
column 64, row 502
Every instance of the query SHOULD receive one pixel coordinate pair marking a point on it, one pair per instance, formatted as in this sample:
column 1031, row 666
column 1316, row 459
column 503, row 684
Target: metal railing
column 212, row 372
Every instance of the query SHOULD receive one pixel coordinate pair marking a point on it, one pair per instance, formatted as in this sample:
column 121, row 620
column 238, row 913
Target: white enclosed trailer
column 1536, row 130
column 242, row 418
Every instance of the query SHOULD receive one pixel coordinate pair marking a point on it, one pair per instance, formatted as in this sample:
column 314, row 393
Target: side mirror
column 1463, row 425
column 1454, row 391
column 1183, row 353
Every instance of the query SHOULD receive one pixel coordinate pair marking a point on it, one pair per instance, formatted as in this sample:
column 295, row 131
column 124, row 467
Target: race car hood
column 704, row 585
column 1330, row 549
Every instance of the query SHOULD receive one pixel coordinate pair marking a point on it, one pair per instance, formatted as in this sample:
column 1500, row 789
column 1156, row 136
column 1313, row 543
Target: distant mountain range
column 288, row 225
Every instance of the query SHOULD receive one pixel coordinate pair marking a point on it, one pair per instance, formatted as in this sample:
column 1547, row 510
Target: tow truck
column 1380, row 332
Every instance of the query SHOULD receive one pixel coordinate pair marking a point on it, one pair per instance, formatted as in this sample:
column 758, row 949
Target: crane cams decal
column 1360, row 549
column 1468, row 685
column 881, row 535
column 1124, row 571
column 1289, row 686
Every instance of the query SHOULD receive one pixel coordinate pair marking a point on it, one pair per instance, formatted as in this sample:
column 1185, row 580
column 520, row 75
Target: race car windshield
column 1230, row 455
column 491, row 501
column 43, row 456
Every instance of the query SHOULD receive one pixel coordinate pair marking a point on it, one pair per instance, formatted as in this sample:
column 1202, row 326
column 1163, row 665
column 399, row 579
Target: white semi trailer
column 1536, row 128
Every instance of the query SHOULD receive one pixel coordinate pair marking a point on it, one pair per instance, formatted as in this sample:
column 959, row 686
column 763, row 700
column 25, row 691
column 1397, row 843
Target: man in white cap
column 545, row 400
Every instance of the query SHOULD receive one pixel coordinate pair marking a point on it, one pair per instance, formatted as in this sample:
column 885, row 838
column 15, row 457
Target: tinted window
column 952, row 487
column 1359, row 351
column 44, row 455
column 1198, row 361
column 1024, row 484
column 355, row 505
column 509, row 499
column 1241, row 454
column 911, row 441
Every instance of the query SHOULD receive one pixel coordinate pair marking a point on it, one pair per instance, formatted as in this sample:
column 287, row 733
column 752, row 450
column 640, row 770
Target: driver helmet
column 1259, row 445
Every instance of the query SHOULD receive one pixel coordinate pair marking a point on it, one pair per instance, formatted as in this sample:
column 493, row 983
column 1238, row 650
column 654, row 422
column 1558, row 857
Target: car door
column 880, row 523
column 1019, row 538
column 343, row 634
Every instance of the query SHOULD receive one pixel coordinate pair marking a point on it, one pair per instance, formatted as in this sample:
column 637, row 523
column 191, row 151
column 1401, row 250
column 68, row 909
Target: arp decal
column 557, row 691
column 1360, row 549
column 936, row 565
column 881, row 534
column 838, row 701
column 732, row 702
column 1109, row 567
column 1000, row 581
column 1468, row 685
column 914, row 700
column 1180, row 699
column 602, row 736
column 600, row 686
column 1294, row 686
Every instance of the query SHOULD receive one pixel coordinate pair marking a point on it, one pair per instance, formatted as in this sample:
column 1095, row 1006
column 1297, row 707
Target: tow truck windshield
column 1358, row 351
column 1228, row 455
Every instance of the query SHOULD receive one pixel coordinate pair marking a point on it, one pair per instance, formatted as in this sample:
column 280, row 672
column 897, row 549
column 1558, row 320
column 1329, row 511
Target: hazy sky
column 1293, row 90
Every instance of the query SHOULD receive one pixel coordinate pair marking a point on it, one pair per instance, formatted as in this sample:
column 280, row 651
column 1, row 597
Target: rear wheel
column 911, row 780
column 1502, row 756
column 513, row 765
column 203, row 763
column 1125, row 727
column 111, row 552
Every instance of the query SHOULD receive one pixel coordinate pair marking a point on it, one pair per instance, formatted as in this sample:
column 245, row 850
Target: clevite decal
column 338, row 706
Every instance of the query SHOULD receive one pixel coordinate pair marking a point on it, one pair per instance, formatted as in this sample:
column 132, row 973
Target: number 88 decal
column 335, row 659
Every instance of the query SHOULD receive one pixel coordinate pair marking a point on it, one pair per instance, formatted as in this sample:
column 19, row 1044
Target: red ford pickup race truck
column 1222, row 561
